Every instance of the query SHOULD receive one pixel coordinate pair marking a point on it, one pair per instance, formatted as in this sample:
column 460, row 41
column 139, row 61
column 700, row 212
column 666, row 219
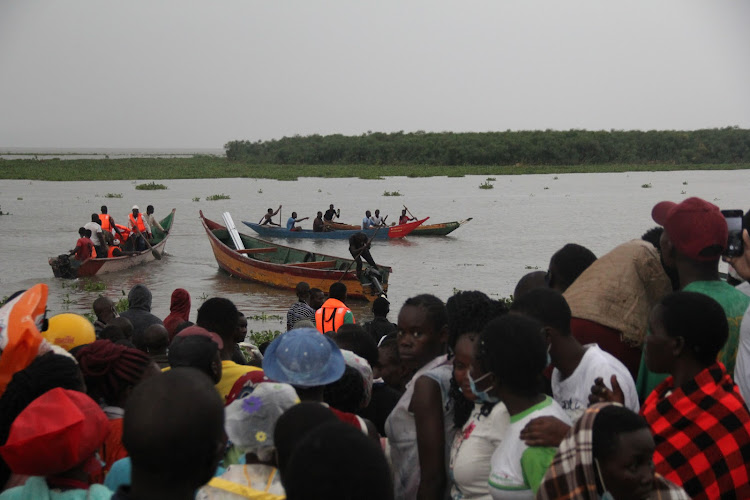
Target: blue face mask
column 482, row 396
column 606, row 495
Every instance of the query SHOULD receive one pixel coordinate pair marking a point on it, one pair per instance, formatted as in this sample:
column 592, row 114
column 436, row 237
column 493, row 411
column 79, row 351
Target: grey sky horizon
column 197, row 74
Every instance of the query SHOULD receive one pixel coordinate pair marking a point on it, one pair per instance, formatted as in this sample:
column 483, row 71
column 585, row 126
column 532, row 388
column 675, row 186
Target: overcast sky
column 196, row 74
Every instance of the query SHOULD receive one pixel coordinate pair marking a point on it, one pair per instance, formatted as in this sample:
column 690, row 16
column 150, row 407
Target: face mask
column 482, row 396
column 606, row 495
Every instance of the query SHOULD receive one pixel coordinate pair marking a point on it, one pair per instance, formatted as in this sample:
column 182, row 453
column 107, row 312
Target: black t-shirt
column 329, row 214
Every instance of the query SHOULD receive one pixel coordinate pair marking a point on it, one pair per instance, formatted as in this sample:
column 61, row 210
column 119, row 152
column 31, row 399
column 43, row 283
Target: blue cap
column 303, row 357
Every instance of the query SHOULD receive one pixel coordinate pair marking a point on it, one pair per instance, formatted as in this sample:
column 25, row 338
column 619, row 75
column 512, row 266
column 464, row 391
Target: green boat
column 439, row 229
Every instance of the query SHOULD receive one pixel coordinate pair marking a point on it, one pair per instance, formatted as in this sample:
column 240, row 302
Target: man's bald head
column 174, row 428
column 153, row 340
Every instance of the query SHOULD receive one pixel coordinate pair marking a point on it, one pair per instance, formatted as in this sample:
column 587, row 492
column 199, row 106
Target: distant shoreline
column 217, row 167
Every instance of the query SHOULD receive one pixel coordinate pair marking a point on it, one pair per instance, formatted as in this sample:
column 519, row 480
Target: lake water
column 517, row 226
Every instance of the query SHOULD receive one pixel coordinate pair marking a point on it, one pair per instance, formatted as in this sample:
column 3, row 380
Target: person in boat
column 367, row 220
column 108, row 225
column 83, row 250
column 97, row 235
column 405, row 218
column 136, row 224
column 291, row 221
column 376, row 220
column 359, row 247
column 319, row 225
column 331, row 213
column 151, row 220
column 268, row 217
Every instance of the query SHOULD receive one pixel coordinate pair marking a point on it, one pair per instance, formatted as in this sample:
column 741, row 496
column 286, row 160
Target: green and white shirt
column 516, row 470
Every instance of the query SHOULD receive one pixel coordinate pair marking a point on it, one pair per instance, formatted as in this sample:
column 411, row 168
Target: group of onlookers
column 614, row 377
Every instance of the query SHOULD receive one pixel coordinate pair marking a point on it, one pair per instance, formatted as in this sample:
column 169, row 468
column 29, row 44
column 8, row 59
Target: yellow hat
column 69, row 330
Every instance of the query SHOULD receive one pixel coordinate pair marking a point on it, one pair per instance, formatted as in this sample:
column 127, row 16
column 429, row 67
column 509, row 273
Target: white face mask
column 606, row 495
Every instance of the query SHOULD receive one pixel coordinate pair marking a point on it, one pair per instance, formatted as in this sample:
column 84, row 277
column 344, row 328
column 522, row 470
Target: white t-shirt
column 376, row 221
column 472, row 449
column 573, row 392
column 516, row 469
column 96, row 233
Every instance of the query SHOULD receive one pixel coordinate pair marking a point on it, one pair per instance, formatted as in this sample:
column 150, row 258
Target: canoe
column 283, row 267
column 440, row 229
column 91, row 267
column 386, row 232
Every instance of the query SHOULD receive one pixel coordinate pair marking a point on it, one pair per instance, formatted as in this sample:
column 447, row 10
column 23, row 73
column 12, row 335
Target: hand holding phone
column 734, row 246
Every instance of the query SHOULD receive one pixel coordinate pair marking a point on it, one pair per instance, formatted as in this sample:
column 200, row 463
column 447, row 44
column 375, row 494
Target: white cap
column 135, row 207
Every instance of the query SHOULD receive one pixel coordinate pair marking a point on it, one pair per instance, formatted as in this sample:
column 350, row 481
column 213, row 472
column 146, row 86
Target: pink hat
column 197, row 330
column 695, row 227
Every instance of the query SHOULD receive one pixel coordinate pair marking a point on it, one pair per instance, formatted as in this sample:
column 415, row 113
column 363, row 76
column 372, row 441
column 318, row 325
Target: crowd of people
column 103, row 238
column 618, row 377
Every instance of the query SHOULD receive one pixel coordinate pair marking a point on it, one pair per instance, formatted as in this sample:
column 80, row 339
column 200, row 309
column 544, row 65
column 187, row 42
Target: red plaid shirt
column 702, row 435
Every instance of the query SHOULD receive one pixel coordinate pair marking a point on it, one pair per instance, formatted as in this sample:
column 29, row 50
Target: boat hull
column 266, row 267
column 385, row 232
column 440, row 229
column 93, row 267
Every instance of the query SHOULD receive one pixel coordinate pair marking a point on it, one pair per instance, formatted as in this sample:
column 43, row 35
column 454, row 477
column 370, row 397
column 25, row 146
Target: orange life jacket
column 124, row 233
column 111, row 251
column 106, row 222
column 330, row 316
column 138, row 222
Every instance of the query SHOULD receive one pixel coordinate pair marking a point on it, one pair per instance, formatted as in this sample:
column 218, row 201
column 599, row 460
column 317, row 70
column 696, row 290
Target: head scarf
column 363, row 368
column 179, row 310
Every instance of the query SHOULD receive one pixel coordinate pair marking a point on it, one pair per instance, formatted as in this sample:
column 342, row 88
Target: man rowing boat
column 268, row 217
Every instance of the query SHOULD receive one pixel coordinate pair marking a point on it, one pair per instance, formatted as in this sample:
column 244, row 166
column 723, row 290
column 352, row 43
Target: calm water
column 516, row 228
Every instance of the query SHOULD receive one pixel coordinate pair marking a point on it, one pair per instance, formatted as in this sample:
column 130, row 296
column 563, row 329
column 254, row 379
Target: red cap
column 58, row 431
column 695, row 227
column 197, row 330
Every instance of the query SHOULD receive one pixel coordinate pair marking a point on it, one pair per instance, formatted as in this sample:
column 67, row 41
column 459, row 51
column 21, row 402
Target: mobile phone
column 734, row 224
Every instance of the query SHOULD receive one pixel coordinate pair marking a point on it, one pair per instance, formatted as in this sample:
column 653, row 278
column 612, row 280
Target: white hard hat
column 135, row 207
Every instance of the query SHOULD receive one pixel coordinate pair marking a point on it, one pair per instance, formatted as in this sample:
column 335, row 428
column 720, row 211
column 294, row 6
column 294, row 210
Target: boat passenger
column 367, row 220
column 108, row 225
column 151, row 220
column 97, row 235
column 376, row 220
column 334, row 313
column 331, row 213
column 114, row 250
column 83, row 250
column 268, row 217
column 405, row 218
column 137, row 224
column 291, row 221
column 359, row 248
column 318, row 225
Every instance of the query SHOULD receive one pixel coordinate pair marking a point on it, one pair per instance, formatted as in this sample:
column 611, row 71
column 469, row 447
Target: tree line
column 549, row 147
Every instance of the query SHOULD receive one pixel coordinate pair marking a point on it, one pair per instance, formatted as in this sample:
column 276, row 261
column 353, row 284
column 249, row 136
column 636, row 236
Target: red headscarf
column 179, row 310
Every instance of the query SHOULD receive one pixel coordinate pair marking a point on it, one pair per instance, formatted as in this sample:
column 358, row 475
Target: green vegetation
column 113, row 195
column 391, row 193
column 266, row 317
column 257, row 338
column 92, row 286
column 647, row 185
column 489, row 179
column 150, row 186
column 486, row 185
column 197, row 198
column 549, row 147
column 19, row 198
column 215, row 197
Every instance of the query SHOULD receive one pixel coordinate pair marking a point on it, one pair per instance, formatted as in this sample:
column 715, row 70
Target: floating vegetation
column 647, row 185
column 554, row 178
column 531, row 267
column 545, row 187
column 683, row 192
column 196, row 198
column 4, row 213
column 150, row 186
column 684, row 183
column 262, row 336
column 265, row 317
column 391, row 193
column 215, row 197
column 491, row 179
column 113, row 195
column 93, row 286
column 260, row 191
column 19, row 198
column 486, row 185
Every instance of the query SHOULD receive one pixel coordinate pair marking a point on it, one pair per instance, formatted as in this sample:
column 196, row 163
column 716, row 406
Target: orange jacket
column 331, row 315
column 106, row 222
column 137, row 222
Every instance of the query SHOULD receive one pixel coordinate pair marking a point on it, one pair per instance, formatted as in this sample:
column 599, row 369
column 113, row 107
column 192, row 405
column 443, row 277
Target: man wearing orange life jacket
column 333, row 313
column 114, row 250
column 108, row 225
column 135, row 221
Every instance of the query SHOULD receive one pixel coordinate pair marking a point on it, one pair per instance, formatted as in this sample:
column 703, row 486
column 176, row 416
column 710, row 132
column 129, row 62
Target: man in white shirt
column 97, row 236
column 577, row 366
column 367, row 221
column 375, row 220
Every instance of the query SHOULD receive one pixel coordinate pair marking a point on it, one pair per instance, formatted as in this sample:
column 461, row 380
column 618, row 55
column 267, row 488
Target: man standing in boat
column 268, row 217
column 359, row 247
column 137, row 224
column 331, row 214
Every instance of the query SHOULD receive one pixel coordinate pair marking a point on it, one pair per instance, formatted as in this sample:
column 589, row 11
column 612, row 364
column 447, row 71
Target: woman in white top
column 480, row 420
column 421, row 424
column 514, row 352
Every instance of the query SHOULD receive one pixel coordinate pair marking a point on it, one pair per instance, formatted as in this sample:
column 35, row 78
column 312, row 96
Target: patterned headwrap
column 363, row 367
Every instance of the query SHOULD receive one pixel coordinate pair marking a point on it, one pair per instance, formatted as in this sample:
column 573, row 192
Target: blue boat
column 385, row 232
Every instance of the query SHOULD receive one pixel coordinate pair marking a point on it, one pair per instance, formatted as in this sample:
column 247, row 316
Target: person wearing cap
column 137, row 224
column 301, row 309
column 114, row 249
column 250, row 423
column 54, row 440
column 334, row 313
column 695, row 235
column 309, row 361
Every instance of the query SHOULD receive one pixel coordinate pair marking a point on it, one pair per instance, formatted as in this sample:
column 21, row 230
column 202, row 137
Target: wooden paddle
column 412, row 215
column 154, row 251
column 360, row 253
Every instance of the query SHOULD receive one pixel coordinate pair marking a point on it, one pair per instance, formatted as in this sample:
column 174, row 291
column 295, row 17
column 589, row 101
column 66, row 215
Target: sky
column 197, row 74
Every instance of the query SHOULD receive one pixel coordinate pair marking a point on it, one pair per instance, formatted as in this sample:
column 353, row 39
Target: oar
column 360, row 253
column 412, row 215
column 154, row 252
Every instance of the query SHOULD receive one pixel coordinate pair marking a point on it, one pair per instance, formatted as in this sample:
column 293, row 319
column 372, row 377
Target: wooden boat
column 283, row 267
column 385, row 232
column 440, row 229
column 61, row 267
